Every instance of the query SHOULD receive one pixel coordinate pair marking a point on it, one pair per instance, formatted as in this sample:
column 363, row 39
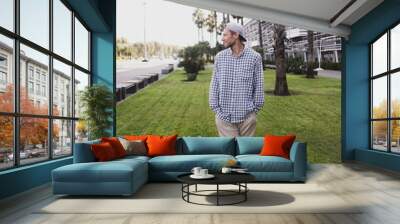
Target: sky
column 35, row 27
column 166, row 22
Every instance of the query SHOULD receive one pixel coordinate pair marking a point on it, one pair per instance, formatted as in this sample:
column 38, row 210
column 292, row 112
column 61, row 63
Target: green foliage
column 97, row 104
column 193, row 59
column 296, row 65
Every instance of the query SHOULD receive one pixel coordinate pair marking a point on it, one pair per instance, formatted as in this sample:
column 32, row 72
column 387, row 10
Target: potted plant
column 97, row 104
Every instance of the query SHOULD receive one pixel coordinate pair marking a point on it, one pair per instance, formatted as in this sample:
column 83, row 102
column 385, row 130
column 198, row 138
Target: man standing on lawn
column 237, row 85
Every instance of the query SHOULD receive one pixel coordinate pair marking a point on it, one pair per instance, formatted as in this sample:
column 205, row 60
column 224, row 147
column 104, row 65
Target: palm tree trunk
column 310, row 55
column 216, row 28
column 281, row 86
column 261, row 39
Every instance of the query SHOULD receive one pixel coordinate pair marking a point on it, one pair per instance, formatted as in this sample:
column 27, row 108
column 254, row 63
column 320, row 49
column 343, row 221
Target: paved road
column 127, row 70
column 330, row 74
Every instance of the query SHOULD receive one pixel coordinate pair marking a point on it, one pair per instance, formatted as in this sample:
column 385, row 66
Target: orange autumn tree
column 380, row 128
column 33, row 130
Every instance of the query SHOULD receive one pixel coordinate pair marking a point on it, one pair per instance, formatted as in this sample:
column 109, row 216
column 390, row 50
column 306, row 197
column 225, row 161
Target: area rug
column 167, row 198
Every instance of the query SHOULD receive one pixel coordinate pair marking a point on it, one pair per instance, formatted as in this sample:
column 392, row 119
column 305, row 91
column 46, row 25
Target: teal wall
column 100, row 17
column 355, row 85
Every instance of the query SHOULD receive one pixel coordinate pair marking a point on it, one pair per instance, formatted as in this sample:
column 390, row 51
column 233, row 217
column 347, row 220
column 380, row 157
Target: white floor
column 376, row 189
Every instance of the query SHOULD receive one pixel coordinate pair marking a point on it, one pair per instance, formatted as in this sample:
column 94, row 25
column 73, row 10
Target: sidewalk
column 330, row 74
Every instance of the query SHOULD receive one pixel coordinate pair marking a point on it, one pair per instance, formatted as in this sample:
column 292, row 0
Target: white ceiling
column 313, row 15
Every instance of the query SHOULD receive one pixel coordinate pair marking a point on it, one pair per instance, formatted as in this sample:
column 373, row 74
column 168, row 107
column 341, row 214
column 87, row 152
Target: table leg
column 196, row 188
column 217, row 194
column 245, row 193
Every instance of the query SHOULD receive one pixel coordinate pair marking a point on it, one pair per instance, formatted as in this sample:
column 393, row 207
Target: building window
column 30, row 87
column 3, row 78
column 37, row 74
column 30, row 73
column 56, row 128
column 44, row 91
column 38, row 89
column 43, row 77
column 385, row 94
column 3, row 72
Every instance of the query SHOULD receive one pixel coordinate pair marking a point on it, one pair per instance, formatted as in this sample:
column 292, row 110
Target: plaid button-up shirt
column 237, row 85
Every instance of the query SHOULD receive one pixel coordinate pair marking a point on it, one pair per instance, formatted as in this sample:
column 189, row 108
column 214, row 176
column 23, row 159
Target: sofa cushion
column 249, row 145
column 257, row 163
column 83, row 152
column 103, row 152
column 277, row 145
column 116, row 145
column 185, row 163
column 161, row 145
column 111, row 171
column 206, row 145
column 135, row 147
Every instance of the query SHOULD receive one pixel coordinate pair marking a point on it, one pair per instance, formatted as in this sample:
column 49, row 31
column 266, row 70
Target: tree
column 260, row 38
column 210, row 23
column 310, row 55
column 199, row 20
column 238, row 18
column 281, row 86
column 33, row 131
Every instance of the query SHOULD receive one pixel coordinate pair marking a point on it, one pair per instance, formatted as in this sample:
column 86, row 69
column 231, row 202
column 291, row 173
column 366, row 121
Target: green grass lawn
column 172, row 105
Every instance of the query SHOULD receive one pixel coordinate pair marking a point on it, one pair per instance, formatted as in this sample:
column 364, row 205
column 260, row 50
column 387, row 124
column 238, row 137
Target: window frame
column 16, row 114
column 388, row 74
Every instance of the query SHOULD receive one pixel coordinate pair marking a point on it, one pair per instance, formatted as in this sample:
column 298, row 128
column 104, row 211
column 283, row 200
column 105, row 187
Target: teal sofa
column 125, row 176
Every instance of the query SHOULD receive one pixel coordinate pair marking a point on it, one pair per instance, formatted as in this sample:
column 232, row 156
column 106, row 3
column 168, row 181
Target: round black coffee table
column 238, row 179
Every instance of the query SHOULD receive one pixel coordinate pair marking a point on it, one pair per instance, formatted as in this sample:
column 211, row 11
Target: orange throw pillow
column 161, row 145
column 277, row 145
column 103, row 151
column 116, row 145
column 135, row 137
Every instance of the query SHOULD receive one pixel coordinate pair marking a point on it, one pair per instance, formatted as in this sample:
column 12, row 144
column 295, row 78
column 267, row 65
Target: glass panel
column 379, row 135
column 7, row 14
column 395, row 47
column 62, row 138
column 33, row 139
column 34, row 72
column 379, row 97
column 395, row 138
column 6, row 142
column 62, row 29
column 35, row 21
column 395, row 94
column 379, row 55
column 81, row 131
column 81, row 81
column 81, row 45
column 62, row 89
column 6, row 74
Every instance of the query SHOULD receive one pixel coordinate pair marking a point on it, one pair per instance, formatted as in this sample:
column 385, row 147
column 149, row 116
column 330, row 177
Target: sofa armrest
column 83, row 152
column 298, row 155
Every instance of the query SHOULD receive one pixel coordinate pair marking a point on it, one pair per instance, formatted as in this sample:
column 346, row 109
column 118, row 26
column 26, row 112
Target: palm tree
column 261, row 39
column 210, row 23
column 198, row 19
column 310, row 55
column 281, row 86
column 238, row 18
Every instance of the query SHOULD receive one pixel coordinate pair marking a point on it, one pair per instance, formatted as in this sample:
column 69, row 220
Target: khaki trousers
column 244, row 128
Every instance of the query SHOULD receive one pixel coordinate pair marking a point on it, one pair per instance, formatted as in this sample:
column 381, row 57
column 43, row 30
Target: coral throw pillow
column 116, row 145
column 161, row 145
column 277, row 145
column 103, row 151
